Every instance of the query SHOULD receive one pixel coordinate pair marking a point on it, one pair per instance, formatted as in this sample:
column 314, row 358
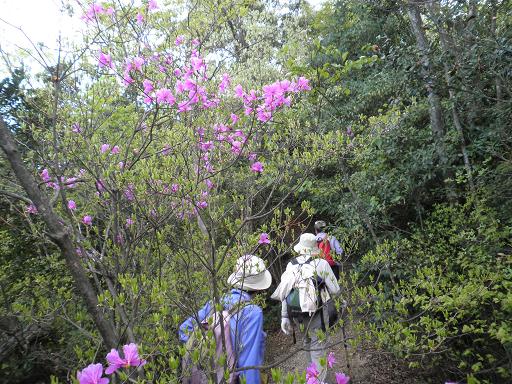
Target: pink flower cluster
column 93, row 373
column 68, row 182
column 275, row 95
column 264, row 239
column 312, row 372
column 95, row 10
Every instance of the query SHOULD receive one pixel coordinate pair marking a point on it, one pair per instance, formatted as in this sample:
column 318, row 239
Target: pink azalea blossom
column 129, row 222
column 131, row 358
column 207, row 146
column 195, row 42
column 174, row 188
column 152, row 5
column 45, row 176
column 87, row 220
column 138, row 62
column 115, row 149
column 202, row 204
column 236, row 147
column 252, row 156
column 331, row 359
column 94, row 9
column 92, row 375
column 312, row 374
column 303, row 84
column 109, row 11
column 104, row 148
column 32, row 209
column 179, row 40
column 70, row 182
column 239, row 91
column 76, row 128
column 234, row 118
column 177, row 72
column 239, row 133
column 165, row 95
column 257, row 167
column 121, row 164
column 264, row 239
column 53, row 185
column 71, row 205
column 129, row 192
column 140, row 18
column 225, row 83
column 190, row 85
column 341, row 378
column 148, row 86
column 197, row 64
column 264, row 115
column 104, row 60
column 184, row 106
column 209, row 184
column 127, row 79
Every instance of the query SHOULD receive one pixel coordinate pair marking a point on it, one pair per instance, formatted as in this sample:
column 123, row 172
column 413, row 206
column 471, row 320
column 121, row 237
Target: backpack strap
column 294, row 261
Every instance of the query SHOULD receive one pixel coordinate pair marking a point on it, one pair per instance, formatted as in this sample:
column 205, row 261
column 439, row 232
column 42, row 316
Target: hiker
column 328, row 244
column 306, row 287
column 245, row 341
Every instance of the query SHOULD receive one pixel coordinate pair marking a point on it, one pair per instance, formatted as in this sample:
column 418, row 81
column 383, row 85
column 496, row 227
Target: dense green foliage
column 425, row 220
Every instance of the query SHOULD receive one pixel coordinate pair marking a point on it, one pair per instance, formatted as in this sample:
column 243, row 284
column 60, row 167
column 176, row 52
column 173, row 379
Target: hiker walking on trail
column 328, row 244
column 305, row 290
column 244, row 338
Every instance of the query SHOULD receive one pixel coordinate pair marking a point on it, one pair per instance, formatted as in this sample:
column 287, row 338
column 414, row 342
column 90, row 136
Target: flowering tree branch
column 59, row 233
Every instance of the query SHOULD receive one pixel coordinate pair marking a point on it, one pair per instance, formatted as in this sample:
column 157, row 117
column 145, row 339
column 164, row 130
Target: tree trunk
column 447, row 46
column 494, row 15
column 435, row 110
column 58, row 232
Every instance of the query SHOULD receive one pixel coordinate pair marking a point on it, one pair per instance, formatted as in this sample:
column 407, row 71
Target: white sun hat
column 250, row 274
column 307, row 245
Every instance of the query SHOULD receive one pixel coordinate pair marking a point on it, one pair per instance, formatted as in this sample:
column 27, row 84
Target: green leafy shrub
column 442, row 297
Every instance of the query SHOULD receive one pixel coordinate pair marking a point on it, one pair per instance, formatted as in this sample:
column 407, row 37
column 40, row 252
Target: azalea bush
column 164, row 171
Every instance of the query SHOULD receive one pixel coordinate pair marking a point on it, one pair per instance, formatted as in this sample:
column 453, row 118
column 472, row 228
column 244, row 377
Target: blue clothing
column 335, row 244
column 246, row 328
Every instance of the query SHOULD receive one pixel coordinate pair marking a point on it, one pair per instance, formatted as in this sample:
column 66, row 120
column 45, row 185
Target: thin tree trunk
column 58, row 232
column 494, row 15
column 435, row 110
column 446, row 45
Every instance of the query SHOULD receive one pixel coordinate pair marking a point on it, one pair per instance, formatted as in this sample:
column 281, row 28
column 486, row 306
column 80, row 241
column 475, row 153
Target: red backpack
column 325, row 247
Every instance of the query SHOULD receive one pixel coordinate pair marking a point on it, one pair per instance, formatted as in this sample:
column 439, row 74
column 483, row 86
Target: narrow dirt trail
column 367, row 365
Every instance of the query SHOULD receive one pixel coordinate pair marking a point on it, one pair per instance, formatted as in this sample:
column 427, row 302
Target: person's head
column 307, row 245
column 320, row 226
column 250, row 274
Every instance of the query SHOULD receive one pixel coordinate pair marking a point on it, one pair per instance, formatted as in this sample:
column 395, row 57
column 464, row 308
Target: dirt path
column 366, row 365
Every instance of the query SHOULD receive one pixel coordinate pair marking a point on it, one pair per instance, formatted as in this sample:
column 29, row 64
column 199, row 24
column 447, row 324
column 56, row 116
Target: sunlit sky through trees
column 42, row 21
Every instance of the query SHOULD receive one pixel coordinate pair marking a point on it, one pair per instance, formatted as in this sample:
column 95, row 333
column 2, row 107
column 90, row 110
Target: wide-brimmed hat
column 250, row 274
column 307, row 245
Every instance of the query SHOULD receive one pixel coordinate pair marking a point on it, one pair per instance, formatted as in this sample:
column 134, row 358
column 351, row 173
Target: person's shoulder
column 251, row 310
